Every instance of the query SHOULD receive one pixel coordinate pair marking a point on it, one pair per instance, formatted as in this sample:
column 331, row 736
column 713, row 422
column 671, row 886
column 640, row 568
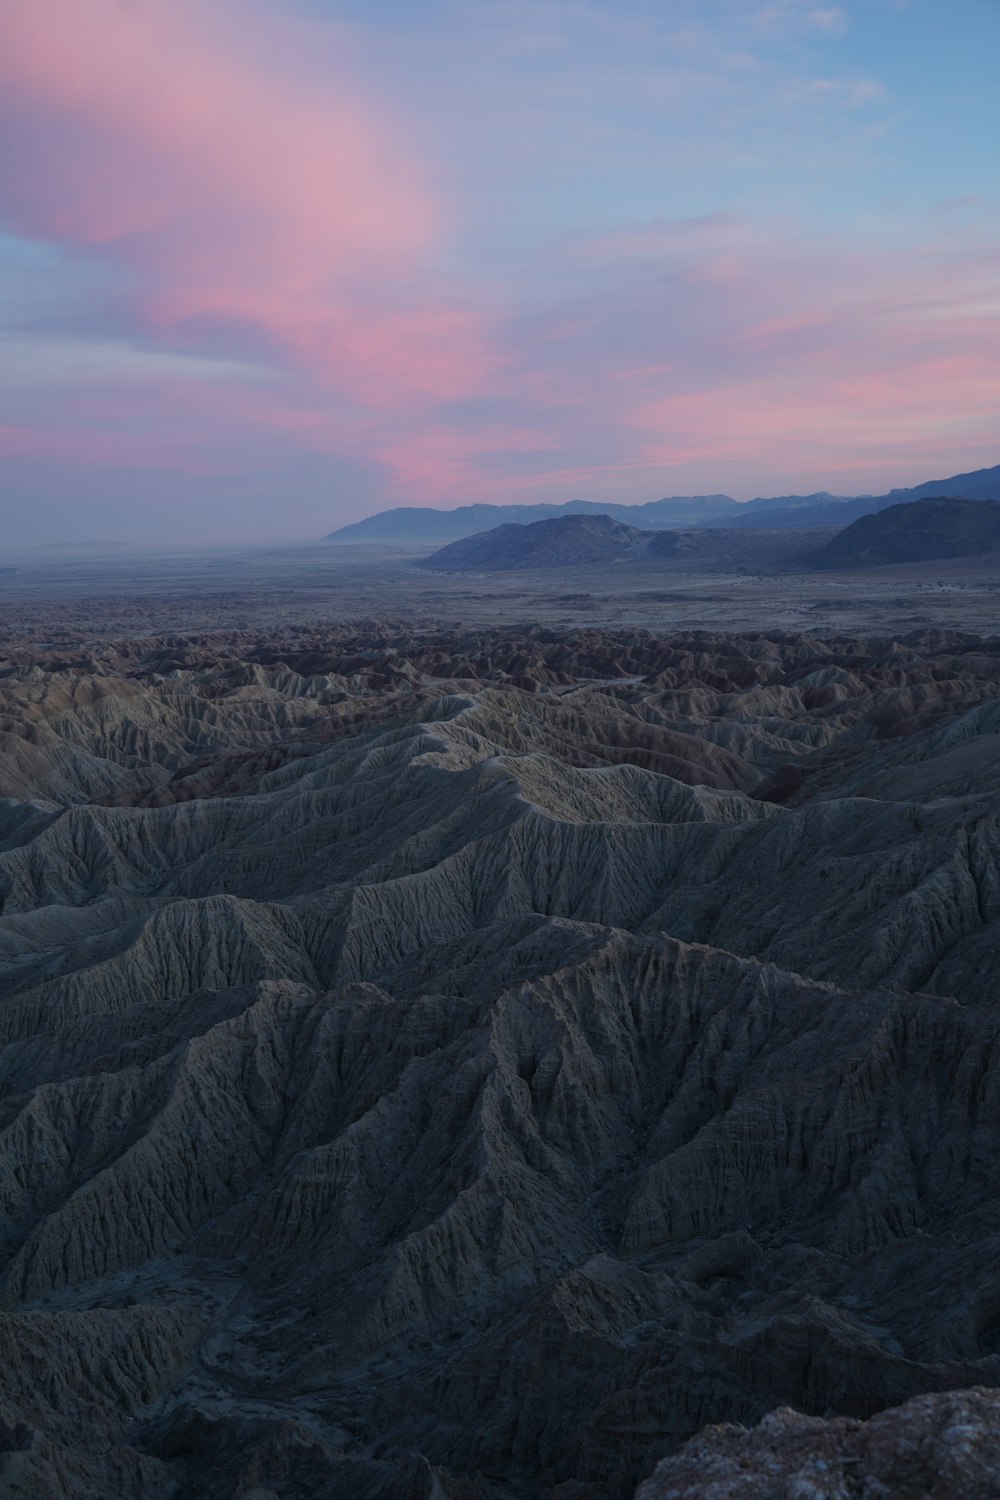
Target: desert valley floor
column 447, row 1057
column 47, row 595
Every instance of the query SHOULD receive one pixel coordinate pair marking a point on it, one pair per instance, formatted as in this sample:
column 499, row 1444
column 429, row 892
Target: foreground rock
column 946, row 1447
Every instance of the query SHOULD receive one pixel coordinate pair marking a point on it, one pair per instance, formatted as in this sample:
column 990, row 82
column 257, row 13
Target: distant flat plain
column 49, row 595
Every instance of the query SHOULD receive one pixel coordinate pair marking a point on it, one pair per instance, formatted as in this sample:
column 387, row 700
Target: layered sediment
column 466, row 1065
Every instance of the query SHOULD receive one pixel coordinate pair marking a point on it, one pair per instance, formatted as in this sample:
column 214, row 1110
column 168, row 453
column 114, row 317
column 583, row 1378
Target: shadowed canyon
column 465, row 1062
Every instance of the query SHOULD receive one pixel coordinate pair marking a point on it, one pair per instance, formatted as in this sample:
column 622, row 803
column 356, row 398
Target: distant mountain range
column 912, row 532
column 423, row 527
column 576, row 541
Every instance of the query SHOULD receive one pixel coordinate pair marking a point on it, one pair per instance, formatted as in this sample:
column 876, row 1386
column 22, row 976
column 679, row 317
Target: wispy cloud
column 542, row 248
column 797, row 16
column 851, row 93
column 246, row 194
column 733, row 341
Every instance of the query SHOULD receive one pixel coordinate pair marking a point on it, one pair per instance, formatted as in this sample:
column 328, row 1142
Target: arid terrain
column 91, row 593
column 450, row 1058
column 499, row 750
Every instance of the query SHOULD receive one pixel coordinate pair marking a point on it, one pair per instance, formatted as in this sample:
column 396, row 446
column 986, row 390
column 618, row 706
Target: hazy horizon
column 266, row 269
column 223, row 540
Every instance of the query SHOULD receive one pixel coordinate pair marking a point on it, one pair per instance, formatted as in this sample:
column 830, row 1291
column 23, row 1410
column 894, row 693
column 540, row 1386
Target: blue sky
column 267, row 267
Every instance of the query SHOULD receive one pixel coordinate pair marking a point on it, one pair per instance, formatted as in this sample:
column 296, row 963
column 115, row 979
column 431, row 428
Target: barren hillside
column 466, row 1064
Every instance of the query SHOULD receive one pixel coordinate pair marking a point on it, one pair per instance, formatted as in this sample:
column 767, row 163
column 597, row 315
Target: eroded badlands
column 463, row 1065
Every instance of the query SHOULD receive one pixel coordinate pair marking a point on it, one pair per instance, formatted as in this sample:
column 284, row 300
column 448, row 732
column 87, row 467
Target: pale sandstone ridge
column 461, row 1066
column 946, row 1447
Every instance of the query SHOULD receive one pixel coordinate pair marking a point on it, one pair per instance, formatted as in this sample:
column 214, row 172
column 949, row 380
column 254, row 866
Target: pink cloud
column 790, row 360
column 885, row 398
column 192, row 143
column 261, row 204
column 446, row 460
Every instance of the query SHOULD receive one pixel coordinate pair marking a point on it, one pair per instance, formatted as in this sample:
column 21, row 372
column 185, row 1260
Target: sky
column 268, row 266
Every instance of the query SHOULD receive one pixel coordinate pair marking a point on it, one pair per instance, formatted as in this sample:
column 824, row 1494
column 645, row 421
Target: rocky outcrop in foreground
column 945, row 1447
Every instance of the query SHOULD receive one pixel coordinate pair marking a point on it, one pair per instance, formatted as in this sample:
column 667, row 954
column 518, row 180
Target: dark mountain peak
column 566, row 541
column 979, row 484
column 940, row 526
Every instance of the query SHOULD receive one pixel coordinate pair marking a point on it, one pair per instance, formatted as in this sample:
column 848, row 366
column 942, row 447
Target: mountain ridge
column 584, row 541
column 934, row 529
column 419, row 526
column 562, row 541
column 931, row 529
